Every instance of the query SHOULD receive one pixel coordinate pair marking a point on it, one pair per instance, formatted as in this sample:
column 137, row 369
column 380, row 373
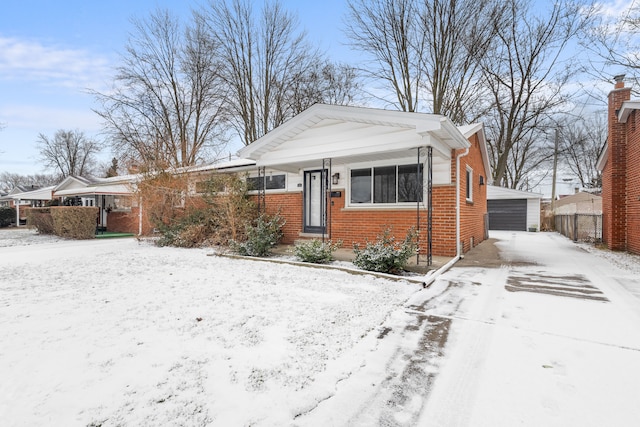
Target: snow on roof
column 497, row 193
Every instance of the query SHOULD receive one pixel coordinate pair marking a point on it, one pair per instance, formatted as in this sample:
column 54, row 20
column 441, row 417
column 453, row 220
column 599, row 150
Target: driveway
column 529, row 329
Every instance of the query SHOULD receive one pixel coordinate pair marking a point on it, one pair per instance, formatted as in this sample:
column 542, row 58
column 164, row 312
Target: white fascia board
column 468, row 131
column 625, row 110
column 604, row 156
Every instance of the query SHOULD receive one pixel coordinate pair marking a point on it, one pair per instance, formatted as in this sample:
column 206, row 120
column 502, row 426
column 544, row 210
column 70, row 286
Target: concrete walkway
column 546, row 333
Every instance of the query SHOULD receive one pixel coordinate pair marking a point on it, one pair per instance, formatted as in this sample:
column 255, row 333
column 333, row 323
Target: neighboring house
column 620, row 167
column 579, row 203
column 513, row 210
column 348, row 173
column 24, row 196
column 118, row 208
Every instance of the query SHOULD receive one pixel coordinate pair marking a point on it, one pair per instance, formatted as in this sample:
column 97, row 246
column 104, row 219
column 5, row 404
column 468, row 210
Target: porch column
column 17, row 202
column 430, row 205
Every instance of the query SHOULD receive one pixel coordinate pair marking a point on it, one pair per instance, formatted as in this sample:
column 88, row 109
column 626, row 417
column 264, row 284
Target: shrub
column 261, row 237
column 41, row 220
column 315, row 250
column 386, row 255
column 7, row 216
column 219, row 216
column 75, row 222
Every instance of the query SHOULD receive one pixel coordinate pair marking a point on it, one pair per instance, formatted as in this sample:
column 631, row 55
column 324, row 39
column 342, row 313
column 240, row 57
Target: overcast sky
column 51, row 51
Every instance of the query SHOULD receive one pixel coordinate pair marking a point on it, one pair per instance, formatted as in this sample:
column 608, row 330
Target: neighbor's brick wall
column 633, row 183
column 614, row 175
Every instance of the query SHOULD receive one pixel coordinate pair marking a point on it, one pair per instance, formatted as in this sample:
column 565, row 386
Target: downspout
column 433, row 274
column 459, row 249
column 140, row 217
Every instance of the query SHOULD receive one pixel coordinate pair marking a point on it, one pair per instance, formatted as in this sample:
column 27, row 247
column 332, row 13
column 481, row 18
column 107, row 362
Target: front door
column 315, row 207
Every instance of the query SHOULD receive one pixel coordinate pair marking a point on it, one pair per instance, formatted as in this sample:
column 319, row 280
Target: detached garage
column 512, row 210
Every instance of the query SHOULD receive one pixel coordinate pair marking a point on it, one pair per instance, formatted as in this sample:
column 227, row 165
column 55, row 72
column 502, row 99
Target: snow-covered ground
column 552, row 338
column 119, row 332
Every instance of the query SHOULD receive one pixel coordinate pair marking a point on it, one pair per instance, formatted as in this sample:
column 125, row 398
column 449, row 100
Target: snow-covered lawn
column 119, row 332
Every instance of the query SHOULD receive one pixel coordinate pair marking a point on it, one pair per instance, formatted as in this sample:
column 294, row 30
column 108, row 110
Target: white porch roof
column 353, row 134
column 77, row 186
column 92, row 190
column 44, row 193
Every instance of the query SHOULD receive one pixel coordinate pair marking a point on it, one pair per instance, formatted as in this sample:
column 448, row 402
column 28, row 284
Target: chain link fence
column 580, row 227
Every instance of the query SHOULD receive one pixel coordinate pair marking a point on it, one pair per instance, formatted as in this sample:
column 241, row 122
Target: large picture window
column 270, row 182
column 387, row 184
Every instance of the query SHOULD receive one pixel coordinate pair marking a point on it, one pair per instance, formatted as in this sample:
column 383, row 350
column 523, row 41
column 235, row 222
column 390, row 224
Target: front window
column 387, row 184
column 270, row 182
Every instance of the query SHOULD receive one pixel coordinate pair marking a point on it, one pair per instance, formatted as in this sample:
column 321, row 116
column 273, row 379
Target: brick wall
column 472, row 214
column 359, row 225
column 632, row 204
column 614, row 183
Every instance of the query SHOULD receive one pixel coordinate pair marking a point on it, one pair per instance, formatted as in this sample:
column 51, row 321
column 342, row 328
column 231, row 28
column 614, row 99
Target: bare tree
column 166, row 106
column 323, row 82
column 390, row 32
column 262, row 53
column 69, row 152
column 458, row 35
column 526, row 75
column 10, row 180
column 582, row 141
column 614, row 42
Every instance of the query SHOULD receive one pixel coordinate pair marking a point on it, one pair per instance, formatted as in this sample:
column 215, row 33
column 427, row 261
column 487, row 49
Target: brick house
column 619, row 164
column 348, row 173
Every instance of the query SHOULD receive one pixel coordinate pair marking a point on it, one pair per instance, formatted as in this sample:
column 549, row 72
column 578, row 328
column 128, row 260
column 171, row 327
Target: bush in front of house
column 261, row 236
column 75, row 222
column 7, row 216
column 315, row 251
column 41, row 220
column 386, row 255
column 192, row 230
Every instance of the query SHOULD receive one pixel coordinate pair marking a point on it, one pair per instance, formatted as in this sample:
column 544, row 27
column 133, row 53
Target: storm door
column 315, row 205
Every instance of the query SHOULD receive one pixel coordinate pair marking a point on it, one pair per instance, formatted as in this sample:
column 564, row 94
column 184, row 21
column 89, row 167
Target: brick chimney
column 614, row 185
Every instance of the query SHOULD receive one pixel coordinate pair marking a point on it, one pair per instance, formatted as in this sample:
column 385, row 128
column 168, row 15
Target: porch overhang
column 95, row 190
column 353, row 135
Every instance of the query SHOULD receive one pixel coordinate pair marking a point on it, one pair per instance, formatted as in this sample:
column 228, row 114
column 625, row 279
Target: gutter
column 433, row 275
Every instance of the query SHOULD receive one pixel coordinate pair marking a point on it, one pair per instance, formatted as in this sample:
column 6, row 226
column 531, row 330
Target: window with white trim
column 469, row 187
column 386, row 184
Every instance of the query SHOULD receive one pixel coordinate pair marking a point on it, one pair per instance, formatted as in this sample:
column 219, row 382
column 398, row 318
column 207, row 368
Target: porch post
column 325, row 207
column 430, row 205
column 419, row 180
column 262, row 176
column 17, row 202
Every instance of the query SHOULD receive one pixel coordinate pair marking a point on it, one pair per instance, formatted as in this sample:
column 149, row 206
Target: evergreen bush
column 7, row 216
column 386, row 255
column 315, row 250
column 261, row 237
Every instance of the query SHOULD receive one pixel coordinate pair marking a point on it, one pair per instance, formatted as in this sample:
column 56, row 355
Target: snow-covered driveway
column 122, row 333
column 550, row 338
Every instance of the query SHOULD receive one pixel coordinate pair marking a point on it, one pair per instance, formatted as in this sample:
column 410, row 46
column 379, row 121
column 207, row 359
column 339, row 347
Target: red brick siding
column 358, row 226
column 472, row 214
column 633, row 185
column 614, row 180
